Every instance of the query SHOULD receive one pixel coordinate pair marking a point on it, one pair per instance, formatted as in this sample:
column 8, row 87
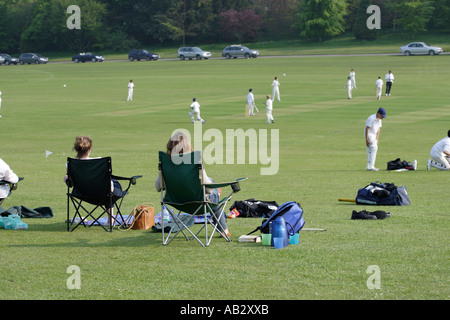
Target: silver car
column 420, row 48
column 239, row 51
column 192, row 53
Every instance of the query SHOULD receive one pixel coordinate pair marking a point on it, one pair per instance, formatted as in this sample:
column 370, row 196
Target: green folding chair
column 90, row 181
column 12, row 187
column 182, row 188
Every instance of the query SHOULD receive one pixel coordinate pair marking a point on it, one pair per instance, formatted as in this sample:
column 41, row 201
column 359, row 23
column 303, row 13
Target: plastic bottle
column 165, row 214
column 280, row 237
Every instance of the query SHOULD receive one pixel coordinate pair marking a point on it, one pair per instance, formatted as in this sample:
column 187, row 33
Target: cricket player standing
column 349, row 88
column 269, row 107
column 251, row 101
column 379, row 87
column 389, row 81
column 195, row 106
column 130, row 90
column 276, row 89
column 352, row 77
column 440, row 154
column 371, row 135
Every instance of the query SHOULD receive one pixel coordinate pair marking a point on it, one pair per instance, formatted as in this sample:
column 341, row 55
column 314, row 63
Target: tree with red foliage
column 239, row 25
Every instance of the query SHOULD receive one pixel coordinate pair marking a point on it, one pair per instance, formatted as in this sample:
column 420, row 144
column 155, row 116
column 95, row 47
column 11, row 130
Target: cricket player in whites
column 371, row 135
column 250, row 102
column 130, row 90
column 349, row 88
column 379, row 87
column 269, row 107
column 353, row 78
column 195, row 106
column 440, row 154
column 276, row 89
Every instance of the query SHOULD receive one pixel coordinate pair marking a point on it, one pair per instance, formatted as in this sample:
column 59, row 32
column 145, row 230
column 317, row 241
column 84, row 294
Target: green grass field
column 321, row 158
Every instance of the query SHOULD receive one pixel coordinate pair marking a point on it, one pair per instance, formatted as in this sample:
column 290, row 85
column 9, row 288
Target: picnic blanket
column 119, row 221
column 24, row 212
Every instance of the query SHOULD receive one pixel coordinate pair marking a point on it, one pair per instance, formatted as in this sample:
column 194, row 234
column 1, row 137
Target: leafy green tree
column 321, row 19
column 93, row 32
column 441, row 15
column 41, row 34
column 360, row 29
column 414, row 15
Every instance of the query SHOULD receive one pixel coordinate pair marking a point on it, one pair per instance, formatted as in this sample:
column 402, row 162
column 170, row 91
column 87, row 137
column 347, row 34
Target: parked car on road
column 87, row 56
column 32, row 58
column 239, row 51
column 8, row 59
column 420, row 48
column 193, row 52
column 141, row 54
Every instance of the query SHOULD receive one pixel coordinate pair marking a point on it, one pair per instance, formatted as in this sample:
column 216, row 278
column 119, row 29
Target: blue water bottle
column 280, row 237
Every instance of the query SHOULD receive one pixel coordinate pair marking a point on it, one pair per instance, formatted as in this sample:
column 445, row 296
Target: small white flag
column 47, row 153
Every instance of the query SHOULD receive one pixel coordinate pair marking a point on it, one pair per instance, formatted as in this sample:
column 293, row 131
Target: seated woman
column 83, row 147
column 6, row 174
column 177, row 145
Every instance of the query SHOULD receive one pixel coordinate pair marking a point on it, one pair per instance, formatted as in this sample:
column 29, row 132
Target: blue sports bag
column 292, row 213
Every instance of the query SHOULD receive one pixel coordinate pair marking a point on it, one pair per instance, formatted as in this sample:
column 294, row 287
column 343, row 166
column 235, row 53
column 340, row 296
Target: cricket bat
column 347, row 200
column 256, row 107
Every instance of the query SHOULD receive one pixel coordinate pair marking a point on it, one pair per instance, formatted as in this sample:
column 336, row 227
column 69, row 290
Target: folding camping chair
column 182, row 188
column 91, row 183
column 12, row 187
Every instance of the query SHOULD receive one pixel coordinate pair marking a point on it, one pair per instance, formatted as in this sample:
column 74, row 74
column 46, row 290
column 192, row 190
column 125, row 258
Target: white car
column 193, row 53
column 420, row 48
column 2, row 60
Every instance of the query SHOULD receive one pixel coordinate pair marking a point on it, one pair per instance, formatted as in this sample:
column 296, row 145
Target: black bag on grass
column 398, row 164
column 383, row 194
column 252, row 208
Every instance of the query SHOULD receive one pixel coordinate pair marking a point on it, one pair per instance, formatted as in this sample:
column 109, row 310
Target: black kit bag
column 398, row 164
column 252, row 208
column 384, row 194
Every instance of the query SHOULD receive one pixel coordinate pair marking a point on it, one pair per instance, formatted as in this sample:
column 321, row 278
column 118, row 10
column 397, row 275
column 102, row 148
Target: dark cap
column 382, row 112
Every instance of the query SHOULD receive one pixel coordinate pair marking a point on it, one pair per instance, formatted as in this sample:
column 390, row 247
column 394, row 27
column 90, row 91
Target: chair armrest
column 216, row 185
column 13, row 185
column 132, row 179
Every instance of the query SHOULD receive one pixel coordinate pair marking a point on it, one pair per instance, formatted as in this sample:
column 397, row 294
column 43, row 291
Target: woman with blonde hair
column 180, row 144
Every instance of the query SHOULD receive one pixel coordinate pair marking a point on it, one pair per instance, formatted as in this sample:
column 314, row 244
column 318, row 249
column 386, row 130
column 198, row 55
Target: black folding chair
column 91, row 182
column 12, row 187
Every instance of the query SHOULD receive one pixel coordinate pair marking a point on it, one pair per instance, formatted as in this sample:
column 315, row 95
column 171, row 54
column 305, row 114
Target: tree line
column 41, row 25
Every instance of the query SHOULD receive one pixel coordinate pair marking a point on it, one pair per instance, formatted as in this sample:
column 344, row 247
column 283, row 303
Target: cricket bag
column 292, row 213
column 383, row 194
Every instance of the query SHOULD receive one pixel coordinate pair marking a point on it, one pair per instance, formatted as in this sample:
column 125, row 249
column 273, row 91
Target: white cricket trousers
column 197, row 116
column 269, row 115
column 276, row 92
column 442, row 161
column 372, row 150
column 130, row 95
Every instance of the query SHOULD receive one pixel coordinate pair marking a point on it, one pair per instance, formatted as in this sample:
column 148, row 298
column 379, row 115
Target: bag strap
column 135, row 214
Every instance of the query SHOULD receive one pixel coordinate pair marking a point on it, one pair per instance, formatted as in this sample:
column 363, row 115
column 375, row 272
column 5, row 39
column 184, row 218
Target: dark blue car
column 87, row 56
